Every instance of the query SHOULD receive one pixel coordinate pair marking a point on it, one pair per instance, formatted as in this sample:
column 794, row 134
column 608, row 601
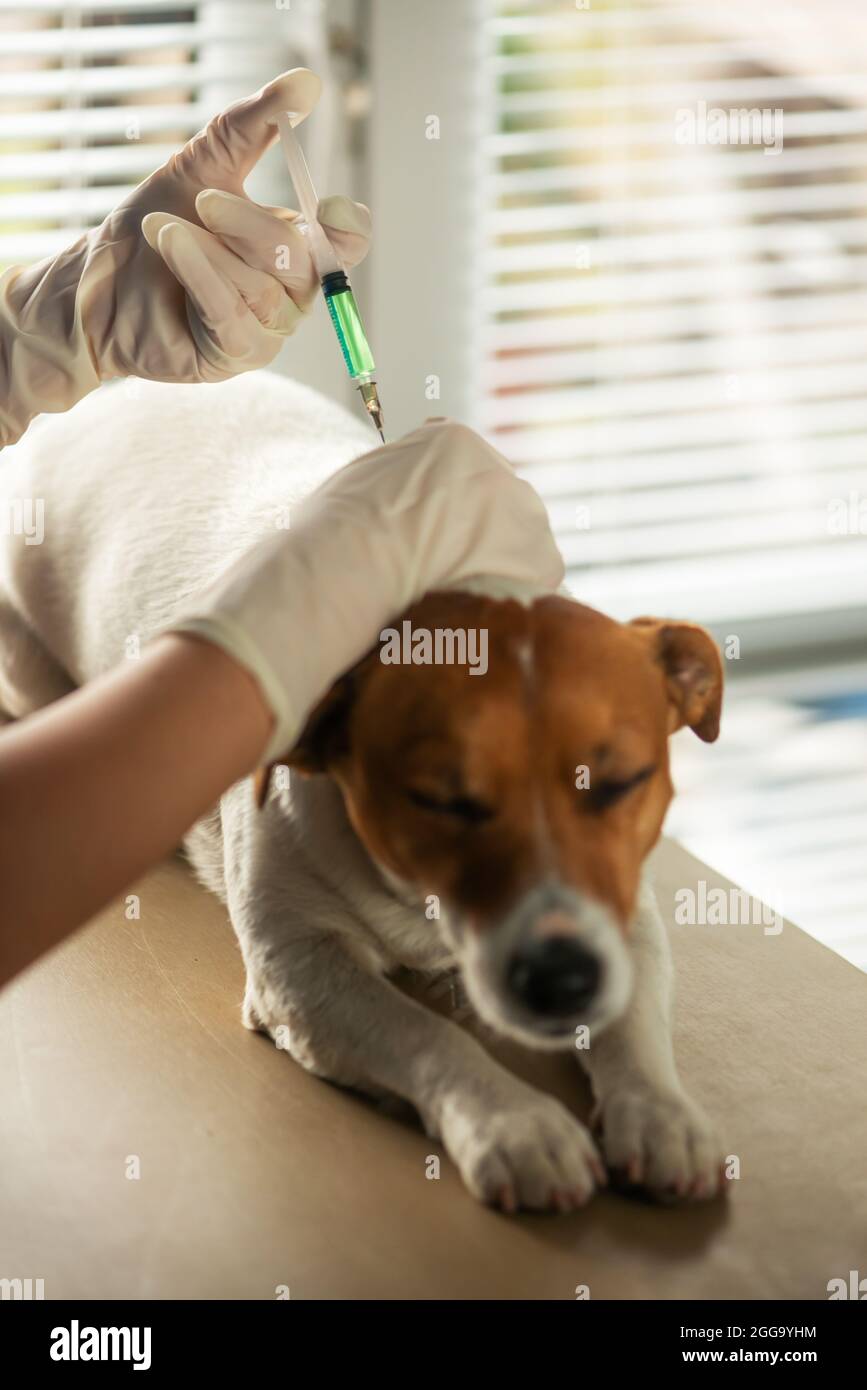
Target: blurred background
column 666, row 332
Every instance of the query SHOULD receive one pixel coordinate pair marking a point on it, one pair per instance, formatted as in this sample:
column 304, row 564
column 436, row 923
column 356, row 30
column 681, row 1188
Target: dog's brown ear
column 694, row 673
column 323, row 738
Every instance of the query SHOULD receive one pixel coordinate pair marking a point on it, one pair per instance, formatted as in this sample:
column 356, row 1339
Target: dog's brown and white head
column 525, row 798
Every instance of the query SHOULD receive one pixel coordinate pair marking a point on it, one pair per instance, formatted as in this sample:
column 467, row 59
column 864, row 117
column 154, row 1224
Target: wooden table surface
column 127, row 1044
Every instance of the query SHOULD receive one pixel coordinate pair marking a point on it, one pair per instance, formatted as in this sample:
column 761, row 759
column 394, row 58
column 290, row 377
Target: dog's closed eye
column 611, row 790
column 463, row 808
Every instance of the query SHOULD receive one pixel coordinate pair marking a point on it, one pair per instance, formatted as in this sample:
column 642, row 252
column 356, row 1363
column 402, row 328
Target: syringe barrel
column 347, row 324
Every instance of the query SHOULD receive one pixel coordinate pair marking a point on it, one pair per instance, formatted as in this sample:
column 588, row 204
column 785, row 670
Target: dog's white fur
column 149, row 491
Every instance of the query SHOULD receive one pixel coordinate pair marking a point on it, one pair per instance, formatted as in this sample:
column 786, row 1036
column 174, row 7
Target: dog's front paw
column 532, row 1153
column 661, row 1141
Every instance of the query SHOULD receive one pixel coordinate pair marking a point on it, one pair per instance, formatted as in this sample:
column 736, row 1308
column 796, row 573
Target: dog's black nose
column 554, row 977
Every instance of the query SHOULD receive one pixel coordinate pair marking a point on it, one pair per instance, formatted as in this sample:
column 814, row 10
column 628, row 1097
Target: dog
column 432, row 816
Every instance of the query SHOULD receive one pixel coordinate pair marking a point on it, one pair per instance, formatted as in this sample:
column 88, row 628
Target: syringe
column 332, row 277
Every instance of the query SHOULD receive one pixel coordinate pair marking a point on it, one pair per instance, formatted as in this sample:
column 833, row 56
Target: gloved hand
column 184, row 281
column 438, row 507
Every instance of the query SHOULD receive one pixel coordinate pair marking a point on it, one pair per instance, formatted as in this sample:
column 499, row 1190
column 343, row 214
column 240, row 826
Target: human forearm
column 101, row 785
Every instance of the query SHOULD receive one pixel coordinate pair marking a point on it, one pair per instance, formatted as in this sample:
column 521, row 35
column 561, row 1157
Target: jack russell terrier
column 434, row 816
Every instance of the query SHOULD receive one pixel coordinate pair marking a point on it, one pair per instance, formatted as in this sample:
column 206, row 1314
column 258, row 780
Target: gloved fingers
column 264, row 238
column 264, row 295
column 273, row 240
column 230, row 146
column 226, row 331
column 347, row 225
column 343, row 215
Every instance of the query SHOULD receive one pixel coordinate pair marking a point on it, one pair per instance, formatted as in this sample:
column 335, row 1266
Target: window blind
column 671, row 332
column 93, row 97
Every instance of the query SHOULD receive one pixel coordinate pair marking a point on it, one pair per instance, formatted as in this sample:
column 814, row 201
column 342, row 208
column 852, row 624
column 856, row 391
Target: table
column 125, row 1048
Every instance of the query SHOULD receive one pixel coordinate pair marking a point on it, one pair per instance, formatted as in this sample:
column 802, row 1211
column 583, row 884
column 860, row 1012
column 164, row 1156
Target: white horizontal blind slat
column 653, row 507
column 688, row 430
column 629, row 472
column 666, row 285
column 110, row 38
column 672, row 337
column 50, row 166
column 642, row 323
column 96, row 82
column 712, row 354
column 658, row 168
column 747, row 91
column 698, row 244
column 810, row 580
column 56, row 8
column 759, row 202
column 672, row 396
column 602, row 134
column 101, row 122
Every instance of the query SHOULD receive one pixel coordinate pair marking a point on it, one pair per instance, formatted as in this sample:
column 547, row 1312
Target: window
column 673, row 330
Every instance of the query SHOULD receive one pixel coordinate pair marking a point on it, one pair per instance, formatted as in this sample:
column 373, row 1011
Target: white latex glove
column 182, row 282
column 437, row 507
